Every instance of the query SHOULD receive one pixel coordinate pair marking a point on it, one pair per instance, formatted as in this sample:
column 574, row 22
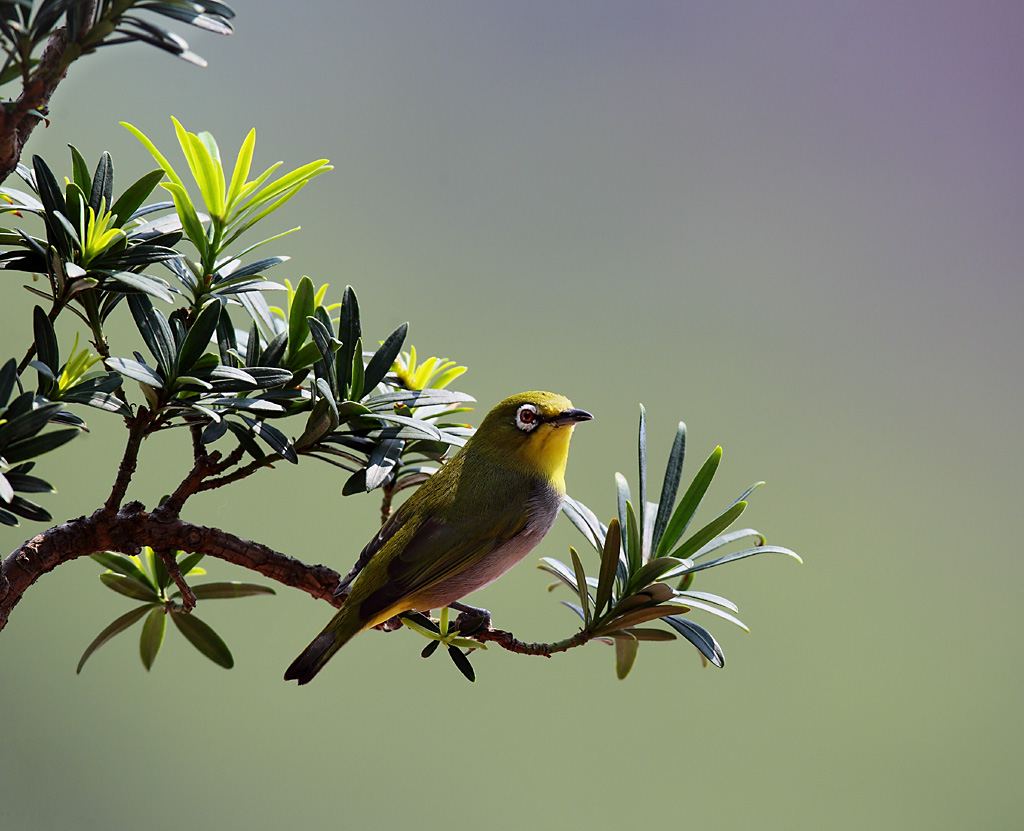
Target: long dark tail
column 335, row 635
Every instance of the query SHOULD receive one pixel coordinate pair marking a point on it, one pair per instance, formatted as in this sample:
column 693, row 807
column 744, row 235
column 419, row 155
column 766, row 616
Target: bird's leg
column 472, row 618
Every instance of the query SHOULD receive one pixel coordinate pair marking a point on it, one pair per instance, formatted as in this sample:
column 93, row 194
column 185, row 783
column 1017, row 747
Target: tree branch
column 17, row 123
column 138, row 428
column 130, row 529
column 506, row 640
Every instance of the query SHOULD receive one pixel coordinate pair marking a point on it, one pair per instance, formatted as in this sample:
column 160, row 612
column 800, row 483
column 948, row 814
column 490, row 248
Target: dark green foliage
column 632, row 587
column 25, row 26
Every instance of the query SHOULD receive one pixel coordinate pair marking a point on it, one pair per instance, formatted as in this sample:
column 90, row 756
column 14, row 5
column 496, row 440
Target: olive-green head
column 531, row 432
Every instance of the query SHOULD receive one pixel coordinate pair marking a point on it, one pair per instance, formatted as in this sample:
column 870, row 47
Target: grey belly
column 495, row 564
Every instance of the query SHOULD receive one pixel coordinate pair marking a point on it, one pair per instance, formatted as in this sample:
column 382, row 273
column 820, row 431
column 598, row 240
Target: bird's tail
column 312, row 659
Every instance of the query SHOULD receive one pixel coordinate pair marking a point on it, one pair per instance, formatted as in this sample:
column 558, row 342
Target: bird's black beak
column 570, row 417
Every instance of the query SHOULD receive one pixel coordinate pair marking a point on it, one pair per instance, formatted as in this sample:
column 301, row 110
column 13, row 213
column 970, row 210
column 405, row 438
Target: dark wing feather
column 436, row 552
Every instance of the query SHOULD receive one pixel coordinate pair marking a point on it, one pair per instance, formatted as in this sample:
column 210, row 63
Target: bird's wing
column 435, row 552
column 386, row 532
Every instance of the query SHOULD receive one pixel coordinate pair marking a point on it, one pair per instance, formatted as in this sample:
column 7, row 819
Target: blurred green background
column 795, row 226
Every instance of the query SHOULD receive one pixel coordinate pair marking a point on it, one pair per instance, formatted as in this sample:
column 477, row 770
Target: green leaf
column 689, row 503
column 654, row 570
column 120, row 564
column 689, row 600
column 349, row 332
column 625, row 655
column 302, row 307
column 740, row 555
column 190, row 221
column 560, row 570
column 102, row 183
column 155, row 331
column 124, row 622
column 382, row 462
column 277, row 440
column 638, row 616
column 240, row 173
column 19, row 451
column 8, row 374
column 586, row 521
column 27, row 510
column 581, row 582
column 700, row 638
column 642, row 456
column 673, row 471
column 136, row 371
column 20, row 424
column 384, row 358
column 609, row 566
column 634, row 554
column 80, row 172
column 152, row 635
column 462, row 662
column 203, row 638
column 131, row 200
column 206, row 171
column 189, row 562
column 158, row 568
column 23, row 483
column 129, row 587
column 144, row 283
column 198, row 337
column 710, row 531
column 219, row 591
column 46, row 340
column 622, row 494
column 356, row 377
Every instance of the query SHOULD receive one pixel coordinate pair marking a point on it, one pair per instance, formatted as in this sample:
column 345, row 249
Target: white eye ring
column 527, row 418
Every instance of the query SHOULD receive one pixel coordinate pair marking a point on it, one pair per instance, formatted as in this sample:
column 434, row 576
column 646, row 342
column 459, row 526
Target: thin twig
column 506, row 640
column 241, row 473
column 138, row 429
column 191, row 484
column 188, row 597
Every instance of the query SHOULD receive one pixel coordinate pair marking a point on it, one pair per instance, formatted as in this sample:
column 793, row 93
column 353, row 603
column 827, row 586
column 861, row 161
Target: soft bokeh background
column 796, row 226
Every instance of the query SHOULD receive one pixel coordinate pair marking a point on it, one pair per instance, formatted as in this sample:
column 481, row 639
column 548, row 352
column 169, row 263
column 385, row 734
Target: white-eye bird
column 464, row 527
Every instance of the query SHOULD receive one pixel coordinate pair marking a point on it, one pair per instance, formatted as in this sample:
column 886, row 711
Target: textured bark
column 131, row 528
column 17, row 123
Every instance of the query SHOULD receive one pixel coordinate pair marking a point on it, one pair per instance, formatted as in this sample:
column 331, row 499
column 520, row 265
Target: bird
column 470, row 522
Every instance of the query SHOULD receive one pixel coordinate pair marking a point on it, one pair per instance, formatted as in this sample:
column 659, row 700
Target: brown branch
column 192, row 483
column 506, row 640
column 129, row 529
column 241, row 473
column 138, row 429
column 17, row 123
column 170, row 560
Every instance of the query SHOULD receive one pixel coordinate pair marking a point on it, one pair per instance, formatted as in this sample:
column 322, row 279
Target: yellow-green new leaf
column 241, row 172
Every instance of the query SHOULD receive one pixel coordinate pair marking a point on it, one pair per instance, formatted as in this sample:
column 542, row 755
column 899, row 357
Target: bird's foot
column 472, row 618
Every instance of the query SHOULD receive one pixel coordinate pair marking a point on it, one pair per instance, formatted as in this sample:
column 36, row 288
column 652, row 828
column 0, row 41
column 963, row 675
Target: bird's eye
column 526, row 417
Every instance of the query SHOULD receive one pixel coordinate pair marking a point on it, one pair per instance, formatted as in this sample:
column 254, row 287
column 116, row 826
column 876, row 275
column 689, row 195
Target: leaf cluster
column 642, row 551
column 23, row 437
column 146, row 579
column 379, row 414
column 25, row 26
